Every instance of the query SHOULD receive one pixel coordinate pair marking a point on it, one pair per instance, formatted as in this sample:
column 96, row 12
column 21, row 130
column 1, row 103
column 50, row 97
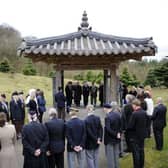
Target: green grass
column 153, row 159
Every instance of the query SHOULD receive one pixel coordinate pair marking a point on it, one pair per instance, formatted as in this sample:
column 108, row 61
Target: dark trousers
column 57, row 160
column 77, row 102
column 61, row 112
column 69, row 103
column 93, row 100
column 41, row 117
column 149, row 127
column 85, row 100
column 158, row 134
column 18, row 126
column 137, row 147
column 127, row 140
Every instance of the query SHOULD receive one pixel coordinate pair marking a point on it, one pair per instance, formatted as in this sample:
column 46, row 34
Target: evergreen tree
column 29, row 69
column 4, row 65
column 151, row 79
column 135, row 81
column 125, row 77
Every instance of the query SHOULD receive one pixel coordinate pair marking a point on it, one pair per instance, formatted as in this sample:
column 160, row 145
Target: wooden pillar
column 107, row 97
column 105, row 86
column 113, row 83
column 57, row 81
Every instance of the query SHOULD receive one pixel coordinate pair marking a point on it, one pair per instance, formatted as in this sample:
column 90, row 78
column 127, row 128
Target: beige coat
column 7, row 154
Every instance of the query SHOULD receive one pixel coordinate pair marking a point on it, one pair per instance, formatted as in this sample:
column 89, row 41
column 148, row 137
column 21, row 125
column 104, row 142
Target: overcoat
column 7, row 153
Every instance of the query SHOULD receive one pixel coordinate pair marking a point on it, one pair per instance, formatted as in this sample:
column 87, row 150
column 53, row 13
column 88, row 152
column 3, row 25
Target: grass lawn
column 153, row 159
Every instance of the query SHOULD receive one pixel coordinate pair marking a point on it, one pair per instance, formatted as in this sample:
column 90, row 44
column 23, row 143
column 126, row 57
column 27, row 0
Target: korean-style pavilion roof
column 86, row 42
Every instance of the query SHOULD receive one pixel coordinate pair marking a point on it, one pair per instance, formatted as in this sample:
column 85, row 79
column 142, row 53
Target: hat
column 20, row 93
column 107, row 105
column 15, row 93
column 31, row 112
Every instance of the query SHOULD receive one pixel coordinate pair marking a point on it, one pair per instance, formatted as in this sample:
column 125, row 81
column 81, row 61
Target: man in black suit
column 60, row 100
column 35, row 141
column 85, row 91
column 112, row 136
column 77, row 93
column 69, row 94
column 138, row 129
column 159, row 122
column 4, row 106
column 75, row 133
column 56, row 132
column 94, row 133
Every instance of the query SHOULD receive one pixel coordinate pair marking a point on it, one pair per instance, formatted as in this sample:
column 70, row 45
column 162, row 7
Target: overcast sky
column 130, row 18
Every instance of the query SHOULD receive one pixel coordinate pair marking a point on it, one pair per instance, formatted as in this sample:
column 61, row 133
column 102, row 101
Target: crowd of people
column 44, row 143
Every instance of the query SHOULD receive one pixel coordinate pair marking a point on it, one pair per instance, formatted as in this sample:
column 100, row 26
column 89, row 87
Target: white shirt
column 150, row 106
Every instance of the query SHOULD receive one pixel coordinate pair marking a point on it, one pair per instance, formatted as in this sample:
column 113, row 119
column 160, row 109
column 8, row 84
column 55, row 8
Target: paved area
column 82, row 114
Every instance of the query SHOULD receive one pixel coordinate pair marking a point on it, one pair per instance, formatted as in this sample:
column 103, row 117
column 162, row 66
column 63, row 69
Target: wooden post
column 62, row 80
column 105, row 86
column 113, row 83
column 107, row 91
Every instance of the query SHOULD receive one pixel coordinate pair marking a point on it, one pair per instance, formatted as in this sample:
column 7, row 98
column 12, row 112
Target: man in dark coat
column 4, row 106
column 16, row 113
column 85, row 91
column 77, row 94
column 94, row 133
column 101, row 93
column 76, row 135
column 138, row 130
column 56, row 132
column 60, row 103
column 69, row 94
column 159, row 122
column 93, row 94
column 126, row 115
column 112, row 136
column 22, row 105
column 35, row 141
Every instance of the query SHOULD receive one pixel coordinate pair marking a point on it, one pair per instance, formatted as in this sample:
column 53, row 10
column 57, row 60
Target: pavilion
column 86, row 49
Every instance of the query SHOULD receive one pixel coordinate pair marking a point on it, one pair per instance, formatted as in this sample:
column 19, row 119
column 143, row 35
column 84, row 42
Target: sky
column 128, row 18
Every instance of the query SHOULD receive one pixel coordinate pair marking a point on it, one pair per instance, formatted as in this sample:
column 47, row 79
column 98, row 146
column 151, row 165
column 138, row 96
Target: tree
column 135, row 81
column 158, row 76
column 151, row 79
column 29, row 69
column 4, row 65
column 125, row 77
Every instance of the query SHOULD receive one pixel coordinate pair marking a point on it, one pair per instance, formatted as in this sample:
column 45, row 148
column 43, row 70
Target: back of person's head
column 59, row 88
column 2, row 119
column 147, row 95
column 136, row 102
column 90, row 108
column 115, row 106
column 73, row 112
column 32, row 93
column 159, row 100
column 129, row 98
column 52, row 113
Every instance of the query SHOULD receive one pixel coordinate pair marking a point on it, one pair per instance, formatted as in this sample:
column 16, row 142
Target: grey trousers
column 112, row 155
column 80, row 159
column 92, row 158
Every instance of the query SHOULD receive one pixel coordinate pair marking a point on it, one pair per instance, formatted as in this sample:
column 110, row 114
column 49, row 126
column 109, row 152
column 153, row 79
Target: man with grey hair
column 94, row 133
column 127, row 111
column 159, row 122
column 56, row 132
column 35, row 141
